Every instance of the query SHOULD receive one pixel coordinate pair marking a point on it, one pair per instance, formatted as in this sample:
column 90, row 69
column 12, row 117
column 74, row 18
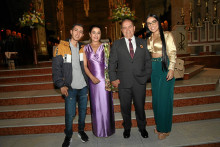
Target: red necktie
column 131, row 49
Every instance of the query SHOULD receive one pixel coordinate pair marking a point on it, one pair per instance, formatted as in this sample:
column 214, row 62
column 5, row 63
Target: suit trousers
column 136, row 93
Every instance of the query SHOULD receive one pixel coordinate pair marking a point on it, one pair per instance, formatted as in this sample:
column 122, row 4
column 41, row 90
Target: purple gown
column 101, row 102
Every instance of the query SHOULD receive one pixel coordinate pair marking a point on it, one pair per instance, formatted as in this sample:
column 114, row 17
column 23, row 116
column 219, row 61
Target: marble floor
column 183, row 134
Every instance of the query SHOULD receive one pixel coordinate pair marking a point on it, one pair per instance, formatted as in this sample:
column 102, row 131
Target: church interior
column 32, row 110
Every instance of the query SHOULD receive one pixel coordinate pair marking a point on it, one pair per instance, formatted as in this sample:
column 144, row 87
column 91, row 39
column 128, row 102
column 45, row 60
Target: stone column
column 41, row 33
column 60, row 19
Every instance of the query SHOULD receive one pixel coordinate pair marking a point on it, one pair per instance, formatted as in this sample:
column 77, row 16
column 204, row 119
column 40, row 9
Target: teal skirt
column 162, row 97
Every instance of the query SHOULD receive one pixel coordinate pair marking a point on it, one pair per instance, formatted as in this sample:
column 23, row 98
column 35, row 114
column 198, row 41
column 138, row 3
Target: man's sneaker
column 66, row 142
column 82, row 135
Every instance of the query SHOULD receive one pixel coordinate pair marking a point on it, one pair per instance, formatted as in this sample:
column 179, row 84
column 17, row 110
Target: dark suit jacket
column 123, row 67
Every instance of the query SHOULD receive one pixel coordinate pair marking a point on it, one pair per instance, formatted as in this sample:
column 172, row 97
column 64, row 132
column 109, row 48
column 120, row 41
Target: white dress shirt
column 133, row 44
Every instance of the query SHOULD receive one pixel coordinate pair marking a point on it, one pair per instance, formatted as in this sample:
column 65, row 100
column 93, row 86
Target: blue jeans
column 80, row 96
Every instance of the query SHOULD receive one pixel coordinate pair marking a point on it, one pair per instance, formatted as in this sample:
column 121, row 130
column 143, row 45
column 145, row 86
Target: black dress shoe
column 126, row 133
column 144, row 133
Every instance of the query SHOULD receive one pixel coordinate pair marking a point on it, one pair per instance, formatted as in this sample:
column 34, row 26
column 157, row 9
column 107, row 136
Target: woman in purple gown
column 101, row 102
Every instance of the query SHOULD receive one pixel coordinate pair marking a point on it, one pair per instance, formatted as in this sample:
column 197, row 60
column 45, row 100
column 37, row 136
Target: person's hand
column 170, row 75
column 64, row 90
column 95, row 80
column 115, row 83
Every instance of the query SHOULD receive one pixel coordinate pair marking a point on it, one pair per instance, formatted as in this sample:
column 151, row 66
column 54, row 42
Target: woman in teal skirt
column 163, row 50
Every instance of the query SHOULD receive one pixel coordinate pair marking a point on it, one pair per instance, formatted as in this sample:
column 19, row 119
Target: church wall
column 50, row 15
column 140, row 11
column 69, row 17
column 177, row 5
column 176, row 8
column 99, row 13
column 74, row 13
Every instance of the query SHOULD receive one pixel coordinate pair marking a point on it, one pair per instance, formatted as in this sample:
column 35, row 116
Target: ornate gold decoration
column 182, row 16
column 191, row 26
column 60, row 19
column 215, row 20
column 86, row 7
column 199, row 21
column 207, row 11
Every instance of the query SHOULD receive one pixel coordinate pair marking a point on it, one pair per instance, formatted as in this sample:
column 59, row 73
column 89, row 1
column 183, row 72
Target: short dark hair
column 77, row 24
column 94, row 26
column 127, row 19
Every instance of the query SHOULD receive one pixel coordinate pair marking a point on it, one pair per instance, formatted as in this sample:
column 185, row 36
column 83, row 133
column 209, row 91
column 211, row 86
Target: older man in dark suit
column 129, row 70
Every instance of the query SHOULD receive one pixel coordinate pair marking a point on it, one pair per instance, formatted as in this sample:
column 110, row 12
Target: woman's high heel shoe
column 163, row 135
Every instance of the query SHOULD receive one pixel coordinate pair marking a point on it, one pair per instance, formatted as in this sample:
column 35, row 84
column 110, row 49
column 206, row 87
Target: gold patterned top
column 156, row 47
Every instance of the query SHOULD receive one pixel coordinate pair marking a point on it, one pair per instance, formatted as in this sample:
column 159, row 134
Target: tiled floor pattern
column 183, row 134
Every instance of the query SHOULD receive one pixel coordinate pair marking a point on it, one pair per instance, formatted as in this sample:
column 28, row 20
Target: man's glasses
column 152, row 23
